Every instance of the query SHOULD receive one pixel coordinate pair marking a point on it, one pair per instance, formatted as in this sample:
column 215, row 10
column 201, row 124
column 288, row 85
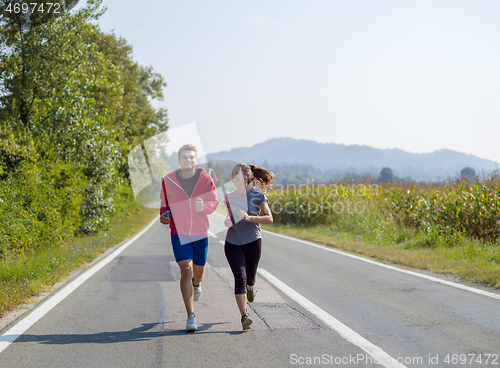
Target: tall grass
column 463, row 208
column 448, row 210
column 446, row 227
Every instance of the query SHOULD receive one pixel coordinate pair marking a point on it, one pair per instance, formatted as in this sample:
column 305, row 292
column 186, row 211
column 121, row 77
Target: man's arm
column 164, row 207
column 211, row 203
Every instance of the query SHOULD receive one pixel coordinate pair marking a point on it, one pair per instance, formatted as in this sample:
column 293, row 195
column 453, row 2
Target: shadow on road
column 142, row 333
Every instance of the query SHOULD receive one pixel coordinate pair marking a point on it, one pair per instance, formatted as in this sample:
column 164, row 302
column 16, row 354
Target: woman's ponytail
column 258, row 176
column 264, row 177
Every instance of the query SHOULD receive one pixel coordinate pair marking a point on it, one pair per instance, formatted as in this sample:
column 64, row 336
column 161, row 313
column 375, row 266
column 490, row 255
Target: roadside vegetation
column 449, row 228
column 33, row 273
column 72, row 105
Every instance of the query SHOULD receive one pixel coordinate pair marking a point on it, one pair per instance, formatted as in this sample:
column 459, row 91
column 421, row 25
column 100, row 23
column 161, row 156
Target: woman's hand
column 228, row 222
column 243, row 215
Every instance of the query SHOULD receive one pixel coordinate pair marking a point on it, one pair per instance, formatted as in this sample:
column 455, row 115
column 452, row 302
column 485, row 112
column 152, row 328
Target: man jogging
column 188, row 196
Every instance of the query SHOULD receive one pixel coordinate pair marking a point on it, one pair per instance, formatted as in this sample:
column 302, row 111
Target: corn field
column 455, row 209
column 470, row 209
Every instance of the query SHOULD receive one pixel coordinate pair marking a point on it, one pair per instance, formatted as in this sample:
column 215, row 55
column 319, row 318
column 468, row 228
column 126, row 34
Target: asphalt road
column 130, row 314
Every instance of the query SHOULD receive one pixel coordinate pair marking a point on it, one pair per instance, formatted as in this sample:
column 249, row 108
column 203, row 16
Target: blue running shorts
column 186, row 247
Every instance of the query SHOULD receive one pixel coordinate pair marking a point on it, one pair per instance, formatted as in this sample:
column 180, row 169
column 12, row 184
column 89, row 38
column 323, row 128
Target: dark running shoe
column 251, row 294
column 246, row 321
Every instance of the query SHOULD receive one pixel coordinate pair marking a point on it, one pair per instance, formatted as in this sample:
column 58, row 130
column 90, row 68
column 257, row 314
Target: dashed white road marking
column 374, row 351
column 19, row 328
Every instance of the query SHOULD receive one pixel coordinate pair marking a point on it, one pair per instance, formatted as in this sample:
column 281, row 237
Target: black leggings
column 243, row 260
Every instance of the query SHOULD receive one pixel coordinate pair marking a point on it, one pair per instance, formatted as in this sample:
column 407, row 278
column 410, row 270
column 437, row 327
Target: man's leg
column 199, row 274
column 200, row 251
column 186, row 284
column 184, row 256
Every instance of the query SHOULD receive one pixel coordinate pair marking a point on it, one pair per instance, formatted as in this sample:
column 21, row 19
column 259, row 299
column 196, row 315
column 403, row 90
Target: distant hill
column 336, row 159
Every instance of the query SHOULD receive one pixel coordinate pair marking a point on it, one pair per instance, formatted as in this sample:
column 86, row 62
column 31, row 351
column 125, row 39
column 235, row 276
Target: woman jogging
column 243, row 239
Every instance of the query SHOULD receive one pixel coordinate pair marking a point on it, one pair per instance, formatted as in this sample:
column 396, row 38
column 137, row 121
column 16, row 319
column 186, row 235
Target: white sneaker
column 196, row 292
column 191, row 323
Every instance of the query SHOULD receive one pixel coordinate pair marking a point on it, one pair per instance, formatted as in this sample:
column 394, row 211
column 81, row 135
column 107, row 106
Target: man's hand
column 199, row 206
column 228, row 222
column 165, row 219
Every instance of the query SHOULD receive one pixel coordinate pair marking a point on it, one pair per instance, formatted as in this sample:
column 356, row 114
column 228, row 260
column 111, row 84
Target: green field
column 445, row 228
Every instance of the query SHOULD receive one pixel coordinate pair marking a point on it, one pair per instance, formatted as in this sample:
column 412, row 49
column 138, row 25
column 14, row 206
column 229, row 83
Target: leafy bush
column 73, row 102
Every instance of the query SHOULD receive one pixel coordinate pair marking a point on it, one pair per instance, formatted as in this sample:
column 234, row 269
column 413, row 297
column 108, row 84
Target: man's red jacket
column 184, row 219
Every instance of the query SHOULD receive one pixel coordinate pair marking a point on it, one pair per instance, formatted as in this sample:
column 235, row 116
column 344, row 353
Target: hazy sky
column 416, row 75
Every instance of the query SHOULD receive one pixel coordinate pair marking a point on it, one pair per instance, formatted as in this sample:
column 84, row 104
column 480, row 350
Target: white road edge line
column 379, row 356
column 212, row 234
column 20, row 327
column 431, row 278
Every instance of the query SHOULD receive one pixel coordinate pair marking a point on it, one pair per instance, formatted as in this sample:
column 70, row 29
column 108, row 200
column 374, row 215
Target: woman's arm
column 266, row 218
column 227, row 220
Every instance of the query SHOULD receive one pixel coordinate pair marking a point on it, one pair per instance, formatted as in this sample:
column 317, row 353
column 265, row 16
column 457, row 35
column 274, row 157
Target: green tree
column 56, row 86
column 386, row 174
column 468, row 173
column 72, row 102
column 300, row 178
column 351, row 176
column 134, row 119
